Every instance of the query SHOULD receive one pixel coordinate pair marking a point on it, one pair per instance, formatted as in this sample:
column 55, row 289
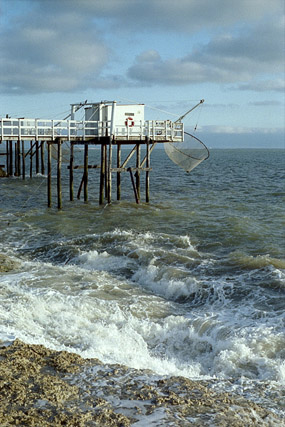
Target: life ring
column 129, row 122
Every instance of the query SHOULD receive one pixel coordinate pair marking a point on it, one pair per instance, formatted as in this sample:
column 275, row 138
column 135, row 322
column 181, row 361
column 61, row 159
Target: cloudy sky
column 166, row 54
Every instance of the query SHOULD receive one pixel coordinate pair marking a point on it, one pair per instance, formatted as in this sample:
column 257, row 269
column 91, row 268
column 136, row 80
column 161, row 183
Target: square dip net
column 187, row 154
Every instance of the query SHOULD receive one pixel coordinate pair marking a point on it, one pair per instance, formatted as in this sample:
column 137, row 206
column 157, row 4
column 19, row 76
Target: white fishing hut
column 121, row 119
column 125, row 122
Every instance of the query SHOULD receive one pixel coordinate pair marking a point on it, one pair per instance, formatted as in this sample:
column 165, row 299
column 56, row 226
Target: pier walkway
column 75, row 130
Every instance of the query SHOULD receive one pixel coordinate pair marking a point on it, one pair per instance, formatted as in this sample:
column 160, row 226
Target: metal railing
column 41, row 129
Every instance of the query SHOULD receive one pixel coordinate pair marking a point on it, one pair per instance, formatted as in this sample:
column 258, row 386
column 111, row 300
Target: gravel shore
column 43, row 387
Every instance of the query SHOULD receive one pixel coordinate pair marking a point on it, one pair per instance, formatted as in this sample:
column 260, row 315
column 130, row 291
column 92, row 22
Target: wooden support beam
column 82, row 167
column 17, row 158
column 28, row 153
column 130, row 155
column 109, row 173
column 23, row 161
column 118, row 172
column 80, row 187
column 147, row 158
column 31, row 159
column 59, row 162
column 7, row 158
column 133, row 169
column 42, row 157
column 134, row 185
column 86, row 172
column 11, row 158
column 37, row 158
column 106, row 173
column 102, row 173
column 150, row 151
column 71, row 167
column 138, row 162
column 49, row 174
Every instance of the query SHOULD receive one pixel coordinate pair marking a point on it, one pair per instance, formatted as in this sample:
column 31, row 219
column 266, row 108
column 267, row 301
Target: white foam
column 103, row 261
column 160, row 282
column 281, row 372
column 87, row 308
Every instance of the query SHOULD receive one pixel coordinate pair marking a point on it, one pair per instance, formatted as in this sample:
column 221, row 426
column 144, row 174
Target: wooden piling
column 138, row 162
column 80, row 187
column 86, row 172
column 59, row 162
column 118, row 173
column 49, row 174
column 147, row 171
column 23, row 161
column 109, row 173
column 71, row 165
column 31, row 159
column 10, row 158
column 7, row 158
column 37, row 158
column 16, row 153
column 106, row 173
column 102, row 173
column 134, row 185
column 42, row 157
column 17, row 158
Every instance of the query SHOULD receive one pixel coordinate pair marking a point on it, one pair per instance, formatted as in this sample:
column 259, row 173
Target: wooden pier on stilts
column 108, row 126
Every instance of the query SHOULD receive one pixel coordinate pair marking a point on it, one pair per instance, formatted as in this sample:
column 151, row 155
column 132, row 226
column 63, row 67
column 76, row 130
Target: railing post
column 19, row 129
column 141, row 130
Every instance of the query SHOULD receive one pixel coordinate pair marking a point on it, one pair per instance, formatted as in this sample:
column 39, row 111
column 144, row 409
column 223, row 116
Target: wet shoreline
column 44, row 387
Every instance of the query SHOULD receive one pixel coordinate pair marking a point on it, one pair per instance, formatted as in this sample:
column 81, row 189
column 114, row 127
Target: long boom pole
column 189, row 111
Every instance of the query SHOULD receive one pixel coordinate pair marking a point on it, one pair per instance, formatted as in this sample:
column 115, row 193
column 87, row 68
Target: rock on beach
column 43, row 387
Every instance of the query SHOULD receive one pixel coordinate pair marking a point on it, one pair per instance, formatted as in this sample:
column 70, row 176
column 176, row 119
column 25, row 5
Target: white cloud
column 239, row 130
column 225, row 59
column 266, row 103
column 54, row 46
column 168, row 15
column 51, row 56
column 277, row 85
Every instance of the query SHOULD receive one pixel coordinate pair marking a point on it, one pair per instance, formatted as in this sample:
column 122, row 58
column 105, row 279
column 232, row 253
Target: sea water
column 191, row 284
